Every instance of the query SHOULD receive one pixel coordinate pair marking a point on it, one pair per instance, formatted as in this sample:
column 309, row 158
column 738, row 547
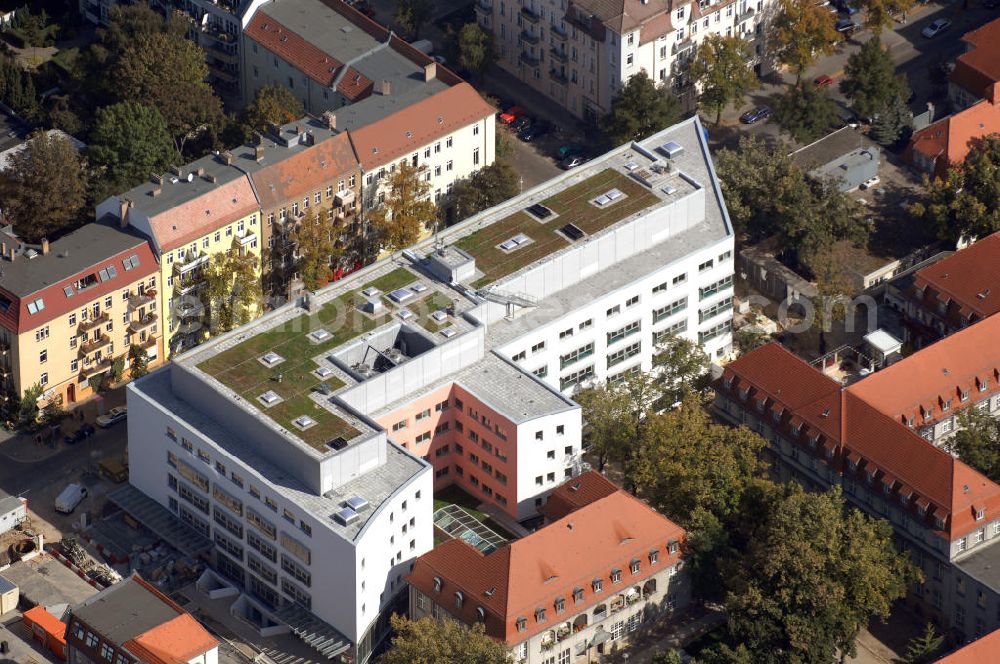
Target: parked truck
column 70, row 497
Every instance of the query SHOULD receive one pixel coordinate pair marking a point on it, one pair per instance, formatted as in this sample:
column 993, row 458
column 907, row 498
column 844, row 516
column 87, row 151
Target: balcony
column 142, row 323
column 745, row 16
column 190, row 327
column 189, row 307
column 558, row 76
column 530, row 16
column 148, row 343
column 558, row 55
column 221, row 73
column 529, row 59
column 190, row 262
column 95, row 368
column 224, row 55
column 89, row 347
column 87, row 325
column 141, row 299
column 529, row 37
column 557, row 32
column 685, row 46
column 485, row 6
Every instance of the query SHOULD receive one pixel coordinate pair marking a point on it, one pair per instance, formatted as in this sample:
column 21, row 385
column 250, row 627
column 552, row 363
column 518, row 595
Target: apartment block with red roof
column 604, row 565
column 977, row 70
column 132, row 622
column 948, row 141
column 867, row 439
column 951, row 294
column 397, row 103
column 71, row 307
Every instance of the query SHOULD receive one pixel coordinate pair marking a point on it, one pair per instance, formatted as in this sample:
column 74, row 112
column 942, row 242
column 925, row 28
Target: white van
column 70, row 497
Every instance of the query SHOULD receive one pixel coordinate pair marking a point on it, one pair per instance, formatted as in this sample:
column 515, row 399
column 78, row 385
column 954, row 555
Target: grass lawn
column 572, row 205
column 435, row 302
column 239, row 368
column 65, row 59
column 389, row 282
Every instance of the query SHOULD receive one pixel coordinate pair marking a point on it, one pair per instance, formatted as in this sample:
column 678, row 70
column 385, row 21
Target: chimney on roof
column 157, row 178
column 211, row 178
column 45, row 246
column 201, row 171
column 258, row 153
column 331, row 120
column 3, row 249
column 993, row 93
column 156, row 192
column 274, row 128
column 430, row 71
column 123, row 207
column 227, row 158
column 177, row 170
column 386, row 87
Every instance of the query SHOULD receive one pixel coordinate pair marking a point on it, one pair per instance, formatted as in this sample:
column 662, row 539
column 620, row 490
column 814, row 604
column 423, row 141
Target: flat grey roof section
column 124, row 611
column 831, row 147
column 510, row 391
column 160, row 520
column 406, row 90
column 983, row 564
column 83, row 248
column 375, row 486
column 6, row 585
column 9, row 504
column 45, row 580
column 323, row 27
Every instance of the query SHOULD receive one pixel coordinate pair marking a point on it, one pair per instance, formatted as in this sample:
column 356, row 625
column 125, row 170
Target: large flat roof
column 125, row 610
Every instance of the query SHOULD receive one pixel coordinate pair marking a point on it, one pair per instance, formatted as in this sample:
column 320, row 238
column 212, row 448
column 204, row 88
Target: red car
column 823, row 81
column 511, row 114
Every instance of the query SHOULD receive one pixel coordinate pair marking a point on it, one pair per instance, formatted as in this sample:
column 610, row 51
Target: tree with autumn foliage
column 721, row 69
column 801, row 32
column 433, row 641
column 407, row 209
column 314, row 237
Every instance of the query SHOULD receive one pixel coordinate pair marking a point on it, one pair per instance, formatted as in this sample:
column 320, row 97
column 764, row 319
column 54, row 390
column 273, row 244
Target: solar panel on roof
column 572, row 232
column 520, row 239
column 671, row 149
column 508, row 245
column 356, row 503
column 346, row 516
column 602, row 200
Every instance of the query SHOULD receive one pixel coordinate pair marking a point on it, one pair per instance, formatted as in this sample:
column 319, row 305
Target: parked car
column 823, row 81
column 755, row 115
column 512, row 114
column 81, row 434
column 522, row 122
column 70, row 497
column 569, row 150
column 114, row 416
column 533, row 131
column 572, row 162
column 936, row 28
column 847, row 26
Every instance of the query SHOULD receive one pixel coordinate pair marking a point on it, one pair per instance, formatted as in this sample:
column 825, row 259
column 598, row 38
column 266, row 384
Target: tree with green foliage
column 27, row 410
column 879, row 13
column 118, row 368
column 407, row 210
column 801, row 32
column 138, row 361
column 169, row 72
column 485, row 188
column 640, row 109
column 44, row 189
column 811, row 577
column 893, row 124
column 977, row 442
column 806, row 112
column 433, row 641
column 314, row 236
column 52, row 413
column 680, row 370
column 925, row 648
column 412, row 15
column 870, row 80
column 232, row 292
column 722, row 71
column 273, row 104
column 686, row 462
column 964, row 203
column 128, row 142
column 475, row 49
column 17, row 89
column 666, row 657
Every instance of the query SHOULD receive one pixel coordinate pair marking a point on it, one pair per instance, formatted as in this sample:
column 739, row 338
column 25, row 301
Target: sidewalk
column 27, row 448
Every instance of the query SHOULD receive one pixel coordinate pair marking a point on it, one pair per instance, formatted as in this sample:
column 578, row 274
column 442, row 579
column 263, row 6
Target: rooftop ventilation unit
column 401, row 295
column 364, row 369
column 346, row 516
column 572, row 231
column 324, row 372
column 356, row 503
column 671, row 149
column 418, row 288
column 539, row 210
column 337, row 443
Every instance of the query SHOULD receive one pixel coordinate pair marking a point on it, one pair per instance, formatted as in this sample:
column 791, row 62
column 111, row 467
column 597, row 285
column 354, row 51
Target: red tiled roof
column 302, row 173
column 222, row 205
column 969, row 278
column 396, row 135
column 656, row 27
column 949, row 140
column 176, row 641
column 979, row 651
column 979, row 68
column 532, row 572
column 872, row 440
column 573, row 495
column 933, row 373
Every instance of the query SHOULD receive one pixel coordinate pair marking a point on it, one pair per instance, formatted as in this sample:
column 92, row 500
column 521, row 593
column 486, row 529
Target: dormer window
column 984, row 385
column 437, row 584
column 634, row 567
column 813, row 439
column 480, row 614
column 965, row 395
column 728, row 382
column 653, row 556
column 672, row 547
column 522, row 624
column 616, row 576
column 980, row 514
column 904, row 501
column 776, row 415
column 886, row 488
column 797, row 428
column 911, row 421
column 946, row 404
column 760, row 405
column 459, row 598
column 939, row 523
column 597, row 585
column 922, row 510
column 540, row 614
column 577, row 595
column 870, row 475
column 560, row 605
